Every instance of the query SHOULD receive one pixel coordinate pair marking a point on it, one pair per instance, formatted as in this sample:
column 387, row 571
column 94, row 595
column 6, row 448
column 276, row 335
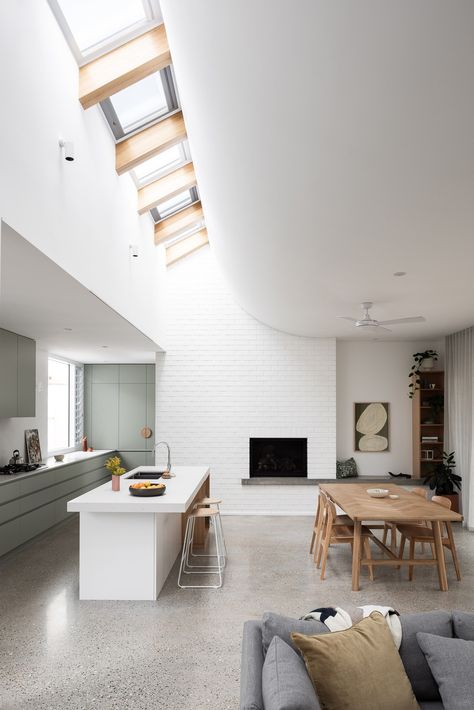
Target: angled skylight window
column 141, row 104
column 93, row 27
column 160, row 164
column 175, row 204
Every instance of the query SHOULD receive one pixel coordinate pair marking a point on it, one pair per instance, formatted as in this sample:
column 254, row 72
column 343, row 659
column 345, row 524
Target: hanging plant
column 415, row 372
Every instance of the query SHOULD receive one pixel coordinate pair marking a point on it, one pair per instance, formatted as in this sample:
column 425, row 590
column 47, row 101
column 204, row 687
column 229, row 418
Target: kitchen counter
column 72, row 458
column 128, row 545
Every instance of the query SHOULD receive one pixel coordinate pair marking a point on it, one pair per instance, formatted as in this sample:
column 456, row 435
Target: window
column 141, row 104
column 175, row 204
column 65, row 405
column 93, row 27
column 161, row 164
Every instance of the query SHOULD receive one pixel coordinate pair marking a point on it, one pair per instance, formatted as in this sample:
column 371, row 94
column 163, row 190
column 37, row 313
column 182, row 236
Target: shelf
column 431, row 460
column 431, row 425
column 430, row 389
column 430, row 406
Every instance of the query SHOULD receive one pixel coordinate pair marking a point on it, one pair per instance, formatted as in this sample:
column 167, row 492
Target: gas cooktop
column 12, row 468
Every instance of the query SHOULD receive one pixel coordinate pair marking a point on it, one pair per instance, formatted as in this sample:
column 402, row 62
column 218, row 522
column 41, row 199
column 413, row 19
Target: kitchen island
column 128, row 544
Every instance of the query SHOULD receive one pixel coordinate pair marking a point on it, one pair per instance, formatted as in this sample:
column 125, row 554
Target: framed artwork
column 33, row 448
column 371, row 426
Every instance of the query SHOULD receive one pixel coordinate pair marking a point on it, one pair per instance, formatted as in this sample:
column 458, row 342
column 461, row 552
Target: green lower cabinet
column 35, row 503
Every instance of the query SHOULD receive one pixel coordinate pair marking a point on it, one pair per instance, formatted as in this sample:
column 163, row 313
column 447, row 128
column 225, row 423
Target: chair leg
column 452, row 547
column 368, row 554
column 402, row 548
column 317, row 518
column 385, row 534
column 412, row 557
column 393, row 537
column 325, row 552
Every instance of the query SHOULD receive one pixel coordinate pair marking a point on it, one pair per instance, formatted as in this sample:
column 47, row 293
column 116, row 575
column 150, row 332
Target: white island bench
column 128, row 544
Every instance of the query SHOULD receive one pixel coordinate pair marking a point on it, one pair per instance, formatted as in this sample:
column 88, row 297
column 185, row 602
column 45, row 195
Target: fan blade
column 395, row 321
column 354, row 320
column 379, row 327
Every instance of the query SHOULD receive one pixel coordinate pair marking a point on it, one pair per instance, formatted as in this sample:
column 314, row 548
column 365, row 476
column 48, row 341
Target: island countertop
column 180, row 492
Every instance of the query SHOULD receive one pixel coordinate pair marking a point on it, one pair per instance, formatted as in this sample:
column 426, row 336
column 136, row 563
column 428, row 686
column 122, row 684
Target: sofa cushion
column 451, row 662
column 283, row 626
column 463, row 625
column 432, row 705
column 285, row 683
column 416, row 666
column 357, row 668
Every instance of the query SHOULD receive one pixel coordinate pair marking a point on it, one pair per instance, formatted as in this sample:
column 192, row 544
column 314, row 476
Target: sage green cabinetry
column 119, row 402
column 34, row 503
column 17, row 375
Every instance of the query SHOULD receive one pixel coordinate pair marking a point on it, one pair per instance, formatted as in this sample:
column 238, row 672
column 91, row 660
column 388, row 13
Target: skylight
column 161, row 164
column 141, row 103
column 174, row 204
column 93, row 27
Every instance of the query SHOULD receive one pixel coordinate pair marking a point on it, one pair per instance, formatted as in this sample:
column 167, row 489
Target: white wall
column 80, row 214
column 375, row 371
column 226, row 377
column 12, row 431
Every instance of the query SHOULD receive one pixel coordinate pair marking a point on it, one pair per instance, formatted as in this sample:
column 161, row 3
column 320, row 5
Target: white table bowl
column 377, row 492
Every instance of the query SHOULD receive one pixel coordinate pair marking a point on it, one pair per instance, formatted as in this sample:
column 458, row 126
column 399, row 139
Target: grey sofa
column 258, row 634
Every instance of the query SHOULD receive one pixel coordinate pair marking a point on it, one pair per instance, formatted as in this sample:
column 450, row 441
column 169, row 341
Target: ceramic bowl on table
column 378, row 492
column 138, row 489
column 59, row 457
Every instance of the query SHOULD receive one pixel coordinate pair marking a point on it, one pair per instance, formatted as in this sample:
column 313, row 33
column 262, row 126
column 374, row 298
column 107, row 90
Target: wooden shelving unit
column 427, row 422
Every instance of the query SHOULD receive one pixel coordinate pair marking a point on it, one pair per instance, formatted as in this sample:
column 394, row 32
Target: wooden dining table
column 407, row 508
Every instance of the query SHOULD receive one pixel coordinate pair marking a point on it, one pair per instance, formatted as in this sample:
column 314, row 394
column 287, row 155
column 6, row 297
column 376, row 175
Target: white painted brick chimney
column 226, row 377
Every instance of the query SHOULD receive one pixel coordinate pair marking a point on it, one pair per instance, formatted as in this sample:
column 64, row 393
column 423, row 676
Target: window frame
column 72, row 405
column 155, row 212
column 172, row 100
column 166, row 170
column 153, row 18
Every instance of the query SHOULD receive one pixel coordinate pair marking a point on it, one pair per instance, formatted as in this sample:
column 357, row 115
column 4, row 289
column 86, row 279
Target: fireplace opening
column 278, row 457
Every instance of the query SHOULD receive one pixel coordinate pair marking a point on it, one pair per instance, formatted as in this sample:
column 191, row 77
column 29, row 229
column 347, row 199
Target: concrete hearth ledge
column 295, row 481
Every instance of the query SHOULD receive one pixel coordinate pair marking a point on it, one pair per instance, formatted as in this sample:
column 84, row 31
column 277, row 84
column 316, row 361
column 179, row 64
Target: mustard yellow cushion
column 357, row 669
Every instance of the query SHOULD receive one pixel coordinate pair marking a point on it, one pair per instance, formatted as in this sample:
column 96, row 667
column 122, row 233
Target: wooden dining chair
column 318, row 521
column 424, row 533
column 335, row 533
column 392, row 527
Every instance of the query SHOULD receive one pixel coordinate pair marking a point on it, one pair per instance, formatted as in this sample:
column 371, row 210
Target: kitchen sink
column 146, row 475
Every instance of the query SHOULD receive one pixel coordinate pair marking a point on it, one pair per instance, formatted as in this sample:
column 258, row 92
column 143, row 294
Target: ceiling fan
column 367, row 322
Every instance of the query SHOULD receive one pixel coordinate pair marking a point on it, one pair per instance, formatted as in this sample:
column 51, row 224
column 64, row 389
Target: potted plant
column 426, row 360
column 442, row 480
column 113, row 465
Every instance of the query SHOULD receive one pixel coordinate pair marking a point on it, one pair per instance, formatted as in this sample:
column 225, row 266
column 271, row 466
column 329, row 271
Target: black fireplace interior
column 278, row 457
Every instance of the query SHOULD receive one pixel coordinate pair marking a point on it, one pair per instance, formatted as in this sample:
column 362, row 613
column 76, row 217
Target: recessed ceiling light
column 104, row 346
column 68, row 329
column 400, row 273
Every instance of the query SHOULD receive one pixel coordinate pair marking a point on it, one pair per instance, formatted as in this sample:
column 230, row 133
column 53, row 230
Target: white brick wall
column 226, row 377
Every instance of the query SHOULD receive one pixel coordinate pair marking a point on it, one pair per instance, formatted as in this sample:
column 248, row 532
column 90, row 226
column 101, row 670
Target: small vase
column 115, row 483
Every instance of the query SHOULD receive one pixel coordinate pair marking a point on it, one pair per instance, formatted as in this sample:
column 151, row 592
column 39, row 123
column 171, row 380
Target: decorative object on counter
column 113, row 465
column 427, row 454
column 166, row 473
column 423, row 361
column 371, row 432
column 346, row 469
column 146, row 432
column 59, row 457
column 84, row 443
column 442, row 480
column 33, row 449
column 16, row 459
column 90, row 449
column 399, row 475
column 147, row 488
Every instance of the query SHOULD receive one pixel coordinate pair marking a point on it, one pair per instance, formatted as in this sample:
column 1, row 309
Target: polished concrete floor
column 183, row 651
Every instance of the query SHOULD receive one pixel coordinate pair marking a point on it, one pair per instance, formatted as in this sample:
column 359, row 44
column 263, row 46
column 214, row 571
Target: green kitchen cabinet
column 17, row 375
column 102, row 429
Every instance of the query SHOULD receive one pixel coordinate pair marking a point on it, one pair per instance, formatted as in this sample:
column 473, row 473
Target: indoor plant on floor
column 113, row 465
column 443, row 480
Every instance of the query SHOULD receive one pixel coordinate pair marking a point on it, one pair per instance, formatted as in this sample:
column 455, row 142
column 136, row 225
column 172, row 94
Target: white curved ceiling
column 334, row 145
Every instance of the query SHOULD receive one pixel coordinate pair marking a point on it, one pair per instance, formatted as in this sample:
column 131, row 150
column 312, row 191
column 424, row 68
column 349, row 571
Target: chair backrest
column 441, row 500
column 419, row 491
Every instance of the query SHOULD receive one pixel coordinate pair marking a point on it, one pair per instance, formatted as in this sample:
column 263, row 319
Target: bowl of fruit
column 147, row 488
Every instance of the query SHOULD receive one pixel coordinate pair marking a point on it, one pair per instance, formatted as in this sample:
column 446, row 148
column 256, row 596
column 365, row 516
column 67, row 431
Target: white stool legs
column 214, row 569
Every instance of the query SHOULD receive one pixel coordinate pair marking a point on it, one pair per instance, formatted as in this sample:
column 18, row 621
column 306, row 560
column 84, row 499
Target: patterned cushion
column 346, row 469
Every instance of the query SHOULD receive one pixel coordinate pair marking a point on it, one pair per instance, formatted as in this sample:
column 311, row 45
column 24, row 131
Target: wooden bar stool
column 424, row 533
column 186, row 566
column 205, row 502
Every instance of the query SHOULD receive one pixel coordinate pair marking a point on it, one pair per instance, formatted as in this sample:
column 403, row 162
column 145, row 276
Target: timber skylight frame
column 188, row 197
column 150, row 17
column 148, row 119
column 161, row 164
